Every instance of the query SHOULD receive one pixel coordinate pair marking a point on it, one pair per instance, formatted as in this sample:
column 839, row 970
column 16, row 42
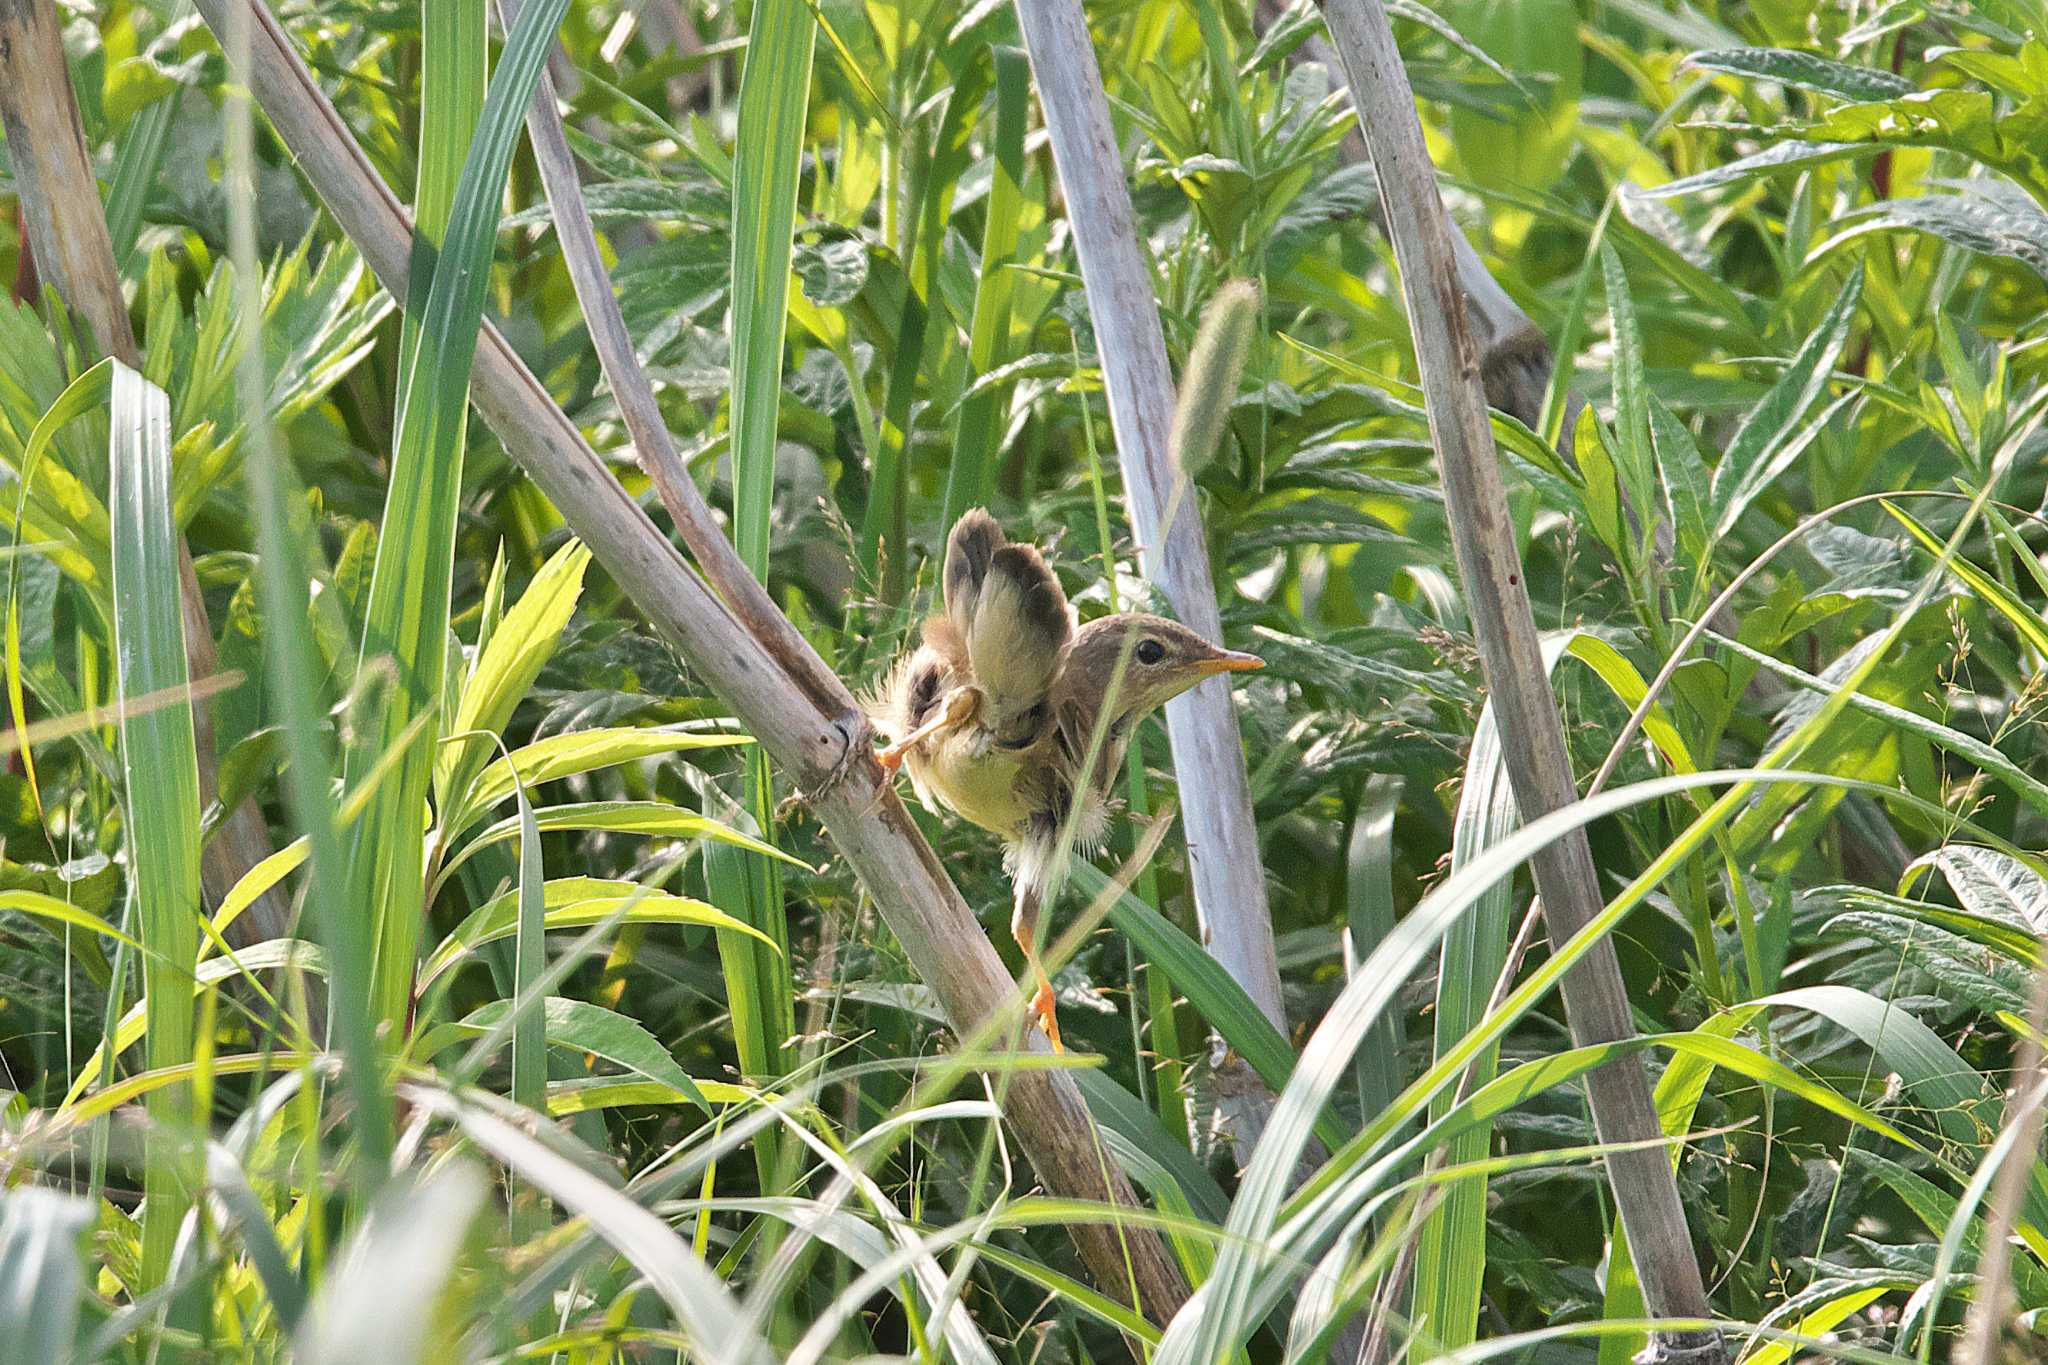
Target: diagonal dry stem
column 739, row 644
column 1532, row 737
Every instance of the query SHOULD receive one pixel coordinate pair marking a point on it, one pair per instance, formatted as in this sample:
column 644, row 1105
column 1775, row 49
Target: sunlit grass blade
column 652, row 819
column 699, row 1300
column 576, row 902
column 160, row 766
column 774, row 99
column 45, row 1275
column 517, row 648
column 380, row 1304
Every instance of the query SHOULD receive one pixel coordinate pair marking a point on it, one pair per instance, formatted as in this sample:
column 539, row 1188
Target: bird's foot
column 1046, row 1008
column 891, row 757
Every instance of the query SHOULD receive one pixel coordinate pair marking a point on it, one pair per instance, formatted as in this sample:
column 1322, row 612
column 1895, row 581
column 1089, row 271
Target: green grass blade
column 294, row 675
column 971, row 477
column 1370, row 916
column 574, row 903
column 406, row 623
column 775, row 91
column 559, row 756
column 650, row 819
column 454, row 66
column 138, row 166
column 583, row 1027
column 160, row 766
column 774, row 100
column 529, row 1033
column 1199, row 977
column 1450, row 1262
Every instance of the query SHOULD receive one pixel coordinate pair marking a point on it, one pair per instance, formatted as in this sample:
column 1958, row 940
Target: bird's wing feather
column 1008, row 611
column 1017, row 638
column 969, row 550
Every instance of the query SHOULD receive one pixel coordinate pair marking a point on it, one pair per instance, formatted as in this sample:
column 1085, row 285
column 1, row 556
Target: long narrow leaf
column 406, row 626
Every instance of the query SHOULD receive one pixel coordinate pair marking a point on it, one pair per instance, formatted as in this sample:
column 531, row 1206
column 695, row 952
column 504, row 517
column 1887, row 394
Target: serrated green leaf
column 1804, row 70
column 584, row 1027
column 581, row 751
column 518, row 648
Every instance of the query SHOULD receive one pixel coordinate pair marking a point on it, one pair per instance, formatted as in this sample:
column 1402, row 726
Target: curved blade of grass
column 584, row 1027
column 133, row 1026
column 160, row 766
column 40, row 906
column 1202, row 979
column 406, row 622
column 698, row 1298
column 651, row 819
column 574, row 903
column 1450, row 1253
column 588, row 1093
column 2029, row 623
column 43, row 1270
column 559, row 756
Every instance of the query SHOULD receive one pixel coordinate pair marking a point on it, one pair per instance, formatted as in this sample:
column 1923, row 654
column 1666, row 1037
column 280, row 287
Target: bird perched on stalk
column 1017, row 721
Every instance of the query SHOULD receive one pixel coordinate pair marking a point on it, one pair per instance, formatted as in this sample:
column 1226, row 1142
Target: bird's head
column 1135, row 663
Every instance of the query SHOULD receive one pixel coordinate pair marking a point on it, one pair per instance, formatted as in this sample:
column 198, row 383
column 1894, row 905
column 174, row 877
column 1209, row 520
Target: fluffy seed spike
column 1209, row 384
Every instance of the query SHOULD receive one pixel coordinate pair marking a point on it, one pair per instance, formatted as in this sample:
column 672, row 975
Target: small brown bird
column 1016, row 721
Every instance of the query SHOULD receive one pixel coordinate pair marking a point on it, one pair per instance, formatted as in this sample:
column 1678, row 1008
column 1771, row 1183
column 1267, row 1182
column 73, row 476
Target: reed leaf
column 160, row 768
column 774, row 98
column 406, row 621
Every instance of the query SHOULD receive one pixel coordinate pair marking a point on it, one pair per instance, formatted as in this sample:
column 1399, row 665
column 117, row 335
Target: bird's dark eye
column 1150, row 651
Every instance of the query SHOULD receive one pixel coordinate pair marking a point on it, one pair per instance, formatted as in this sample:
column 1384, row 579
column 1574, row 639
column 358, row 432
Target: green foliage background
column 643, row 1074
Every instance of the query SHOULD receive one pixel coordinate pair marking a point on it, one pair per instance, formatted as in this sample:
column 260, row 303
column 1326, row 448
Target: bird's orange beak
column 1230, row 661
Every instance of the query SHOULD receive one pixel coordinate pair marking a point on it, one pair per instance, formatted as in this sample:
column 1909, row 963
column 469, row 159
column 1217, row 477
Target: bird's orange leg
column 1043, row 1004
column 960, row 706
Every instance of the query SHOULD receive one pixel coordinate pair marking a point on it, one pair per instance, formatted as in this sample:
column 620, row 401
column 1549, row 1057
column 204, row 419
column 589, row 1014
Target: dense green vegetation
column 582, row 1040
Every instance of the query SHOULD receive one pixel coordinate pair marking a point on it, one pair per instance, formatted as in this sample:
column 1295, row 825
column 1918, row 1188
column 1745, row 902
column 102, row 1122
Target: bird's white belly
column 979, row 782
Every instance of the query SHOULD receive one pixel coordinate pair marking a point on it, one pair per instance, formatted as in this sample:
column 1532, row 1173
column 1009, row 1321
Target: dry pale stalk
column 67, row 236
column 1988, row 1323
column 1208, row 755
column 1532, row 738
column 804, row 732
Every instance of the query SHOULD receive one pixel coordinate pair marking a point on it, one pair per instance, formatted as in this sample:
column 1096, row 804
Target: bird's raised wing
column 1013, row 618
